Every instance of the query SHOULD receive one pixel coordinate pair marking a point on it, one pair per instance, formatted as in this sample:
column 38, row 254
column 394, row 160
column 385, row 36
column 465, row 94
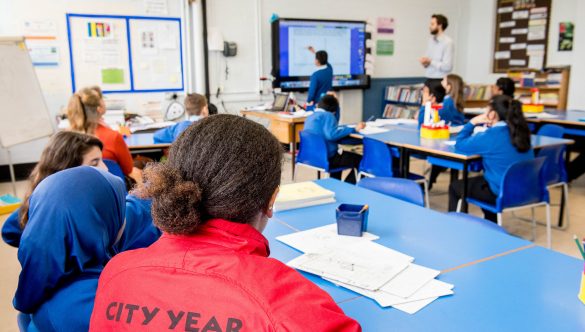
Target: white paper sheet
column 363, row 264
column 415, row 306
column 386, row 122
column 370, row 130
column 322, row 239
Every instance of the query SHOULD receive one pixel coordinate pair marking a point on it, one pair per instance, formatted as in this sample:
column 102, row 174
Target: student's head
column 84, row 110
column 454, row 87
column 439, row 23
column 329, row 103
column 504, row 86
column 76, row 218
column 102, row 107
column 223, row 166
column 321, row 58
column 504, row 108
column 66, row 149
column 433, row 91
column 196, row 104
column 212, row 109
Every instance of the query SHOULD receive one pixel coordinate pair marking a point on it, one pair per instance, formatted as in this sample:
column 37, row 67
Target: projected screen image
column 344, row 42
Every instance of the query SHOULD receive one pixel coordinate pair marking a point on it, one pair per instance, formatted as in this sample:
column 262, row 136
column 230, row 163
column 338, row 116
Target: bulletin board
column 521, row 37
column 125, row 54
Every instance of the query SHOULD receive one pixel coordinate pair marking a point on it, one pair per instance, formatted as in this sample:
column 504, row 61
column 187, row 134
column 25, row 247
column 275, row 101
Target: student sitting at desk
column 210, row 270
column 504, row 86
column 324, row 123
column 434, row 92
column 505, row 142
column 84, row 111
column 76, row 216
column 196, row 108
column 68, row 149
column 454, row 101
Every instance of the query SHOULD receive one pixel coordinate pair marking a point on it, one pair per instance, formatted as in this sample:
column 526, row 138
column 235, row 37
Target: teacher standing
column 438, row 60
column 321, row 79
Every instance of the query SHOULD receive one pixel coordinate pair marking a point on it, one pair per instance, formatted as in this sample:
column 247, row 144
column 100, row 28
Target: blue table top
column 434, row 239
column 529, row 290
column 406, row 137
column 573, row 117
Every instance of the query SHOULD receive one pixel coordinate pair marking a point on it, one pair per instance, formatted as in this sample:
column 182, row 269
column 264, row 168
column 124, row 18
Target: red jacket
column 219, row 279
column 115, row 147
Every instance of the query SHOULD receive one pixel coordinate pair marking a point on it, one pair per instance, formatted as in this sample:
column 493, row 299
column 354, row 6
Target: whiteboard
column 157, row 62
column 99, row 52
column 24, row 115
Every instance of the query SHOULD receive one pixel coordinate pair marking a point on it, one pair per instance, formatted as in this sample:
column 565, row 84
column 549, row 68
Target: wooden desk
column 285, row 129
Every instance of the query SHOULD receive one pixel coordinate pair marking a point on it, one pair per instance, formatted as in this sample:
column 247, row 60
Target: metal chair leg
column 459, row 204
column 566, row 191
column 500, row 219
column 548, row 228
column 427, row 199
column 533, row 224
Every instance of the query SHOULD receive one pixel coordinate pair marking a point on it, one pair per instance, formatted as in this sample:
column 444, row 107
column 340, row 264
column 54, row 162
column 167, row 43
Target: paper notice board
column 125, row 54
column 521, row 34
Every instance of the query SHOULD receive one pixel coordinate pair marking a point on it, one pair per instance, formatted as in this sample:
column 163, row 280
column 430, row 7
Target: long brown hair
column 82, row 110
column 456, row 92
column 64, row 150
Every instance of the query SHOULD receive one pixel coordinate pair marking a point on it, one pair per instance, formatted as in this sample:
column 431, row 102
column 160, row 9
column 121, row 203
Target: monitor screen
column 293, row 63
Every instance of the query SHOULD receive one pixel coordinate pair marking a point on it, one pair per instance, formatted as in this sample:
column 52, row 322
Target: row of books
column 536, row 79
column 400, row 112
column 477, row 92
column 404, row 93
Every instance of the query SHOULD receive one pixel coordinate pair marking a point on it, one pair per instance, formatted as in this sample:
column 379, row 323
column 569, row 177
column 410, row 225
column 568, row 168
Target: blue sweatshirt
column 170, row 134
column 321, row 83
column 448, row 113
column 139, row 231
column 495, row 148
column 325, row 124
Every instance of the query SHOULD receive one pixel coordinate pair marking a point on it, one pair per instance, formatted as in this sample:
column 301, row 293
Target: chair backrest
column 115, row 169
column 402, row 189
column 313, row 151
column 554, row 169
column 551, row 130
column 523, row 184
column 377, row 158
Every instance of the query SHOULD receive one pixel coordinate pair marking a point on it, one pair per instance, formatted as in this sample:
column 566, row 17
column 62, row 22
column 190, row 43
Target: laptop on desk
column 281, row 101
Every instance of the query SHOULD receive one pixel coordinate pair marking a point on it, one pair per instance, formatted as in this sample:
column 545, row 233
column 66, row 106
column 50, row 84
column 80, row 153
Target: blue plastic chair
column 115, row 169
column 402, row 189
column 551, row 130
column 377, row 161
column 522, row 186
column 23, row 321
column 483, row 222
column 313, row 154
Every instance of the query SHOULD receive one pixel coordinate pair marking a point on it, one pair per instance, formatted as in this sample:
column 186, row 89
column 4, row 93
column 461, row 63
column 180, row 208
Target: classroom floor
column 562, row 239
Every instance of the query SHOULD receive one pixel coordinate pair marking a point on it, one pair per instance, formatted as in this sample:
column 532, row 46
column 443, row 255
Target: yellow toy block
column 434, row 132
column 532, row 108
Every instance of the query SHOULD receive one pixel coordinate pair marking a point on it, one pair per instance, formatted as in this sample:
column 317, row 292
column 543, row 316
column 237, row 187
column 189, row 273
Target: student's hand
column 360, row 126
column 311, row 49
column 425, row 61
column 481, row 119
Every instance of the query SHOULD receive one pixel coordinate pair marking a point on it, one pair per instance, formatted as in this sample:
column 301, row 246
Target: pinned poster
column 566, row 36
column 386, row 25
column 44, row 51
column 99, row 30
column 112, row 76
column 385, row 47
column 156, row 7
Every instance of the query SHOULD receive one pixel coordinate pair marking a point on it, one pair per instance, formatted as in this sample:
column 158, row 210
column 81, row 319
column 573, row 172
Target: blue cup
column 352, row 219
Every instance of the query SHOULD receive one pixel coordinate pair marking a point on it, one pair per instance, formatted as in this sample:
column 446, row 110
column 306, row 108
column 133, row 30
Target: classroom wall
column 477, row 34
column 56, row 81
column 247, row 23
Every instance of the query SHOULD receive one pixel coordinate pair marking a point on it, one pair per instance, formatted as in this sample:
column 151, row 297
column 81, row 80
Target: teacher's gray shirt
column 440, row 50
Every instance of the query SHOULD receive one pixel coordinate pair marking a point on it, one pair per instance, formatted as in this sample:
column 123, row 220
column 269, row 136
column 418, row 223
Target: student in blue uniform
column 324, row 124
column 505, row 142
column 321, row 79
column 68, row 149
column 76, row 217
column 196, row 109
column 504, row 86
column 454, row 101
column 432, row 91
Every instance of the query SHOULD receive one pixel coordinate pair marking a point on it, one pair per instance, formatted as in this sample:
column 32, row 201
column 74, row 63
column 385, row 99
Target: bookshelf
column 477, row 95
column 552, row 83
column 402, row 101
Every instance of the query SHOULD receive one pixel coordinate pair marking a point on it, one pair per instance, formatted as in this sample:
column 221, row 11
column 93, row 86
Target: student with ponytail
column 505, row 142
column 84, row 111
column 210, row 270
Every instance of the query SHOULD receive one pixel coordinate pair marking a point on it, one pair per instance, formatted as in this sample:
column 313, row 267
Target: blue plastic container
column 352, row 219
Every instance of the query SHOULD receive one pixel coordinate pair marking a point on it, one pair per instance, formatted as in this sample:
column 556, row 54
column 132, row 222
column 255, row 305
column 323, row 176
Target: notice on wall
column 40, row 28
column 385, row 25
column 156, row 7
column 44, row 51
column 385, row 47
column 566, row 36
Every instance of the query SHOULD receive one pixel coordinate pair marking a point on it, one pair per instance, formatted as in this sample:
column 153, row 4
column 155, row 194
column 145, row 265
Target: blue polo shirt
column 325, row 124
column 321, row 83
